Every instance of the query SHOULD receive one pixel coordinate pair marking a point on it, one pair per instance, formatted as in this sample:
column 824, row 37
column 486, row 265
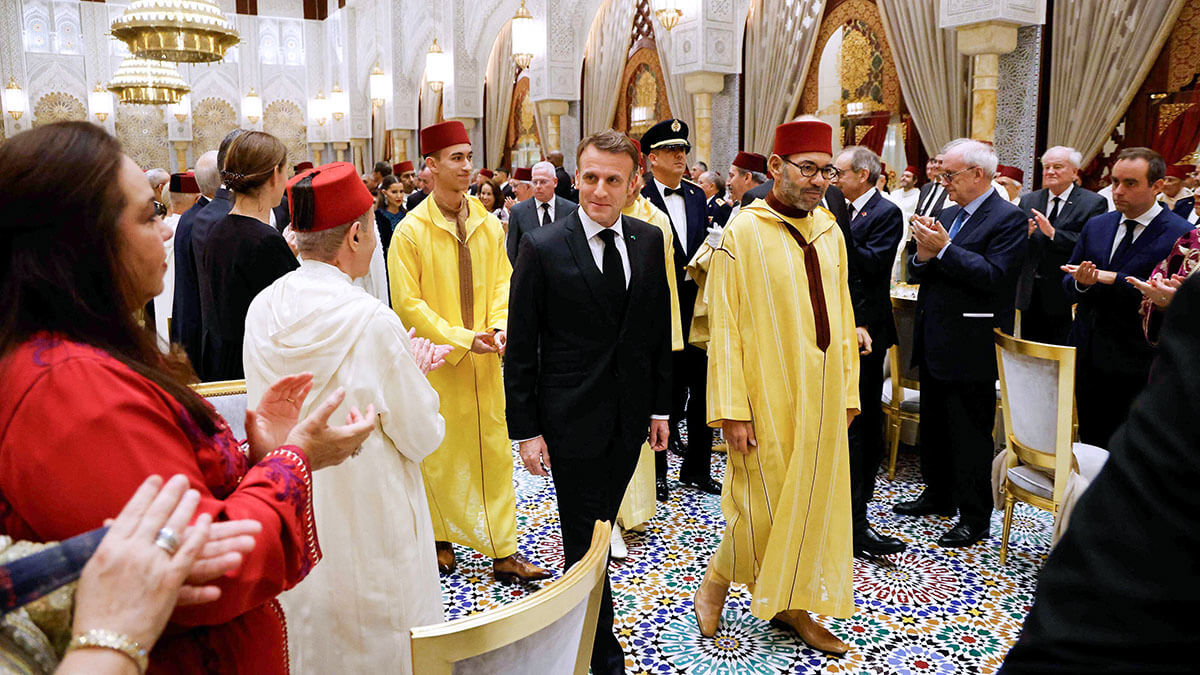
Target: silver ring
column 167, row 540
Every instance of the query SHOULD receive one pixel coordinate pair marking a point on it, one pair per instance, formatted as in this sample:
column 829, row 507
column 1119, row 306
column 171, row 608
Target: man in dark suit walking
column 1113, row 357
column 1056, row 213
column 424, row 187
column 565, row 187
column 588, row 368
column 666, row 145
column 543, row 208
column 875, row 227
column 966, row 263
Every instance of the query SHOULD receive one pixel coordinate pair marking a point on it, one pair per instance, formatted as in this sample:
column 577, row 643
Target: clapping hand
column 429, row 357
column 714, row 236
column 268, row 426
column 1160, row 291
column 930, row 236
column 326, row 445
column 1086, row 274
column 1041, row 222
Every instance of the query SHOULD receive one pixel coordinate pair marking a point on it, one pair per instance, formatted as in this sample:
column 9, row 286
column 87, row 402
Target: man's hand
column 660, row 430
column 1032, row 227
column 930, row 236
column 1084, row 273
column 864, row 340
column 536, row 456
column 1043, row 224
column 484, row 343
column 500, row 339
column 739, row 435
column 851, row 413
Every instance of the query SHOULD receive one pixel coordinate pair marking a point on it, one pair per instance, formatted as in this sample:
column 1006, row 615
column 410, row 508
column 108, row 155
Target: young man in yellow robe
column 449, row 280
column 783, row 385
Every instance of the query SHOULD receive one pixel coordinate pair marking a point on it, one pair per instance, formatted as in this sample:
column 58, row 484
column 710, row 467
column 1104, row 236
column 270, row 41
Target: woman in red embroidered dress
column 90, row 406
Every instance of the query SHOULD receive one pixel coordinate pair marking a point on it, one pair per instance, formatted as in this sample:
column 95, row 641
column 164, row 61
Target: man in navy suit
column 1113, row 357
column 666, row 145
column 876, row 226
column 966, row 263
column 1056, row 213
column 543, row 208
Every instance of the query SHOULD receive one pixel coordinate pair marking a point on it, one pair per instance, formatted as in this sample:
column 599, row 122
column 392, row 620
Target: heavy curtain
column 933, row 76
column 604, row 60
column 780, row 40
column 1100, row 52
column 501, row 72
column 1181, row 136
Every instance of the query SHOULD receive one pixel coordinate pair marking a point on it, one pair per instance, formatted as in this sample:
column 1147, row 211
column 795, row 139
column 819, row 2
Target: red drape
column 1181, row 136
column 873, row 139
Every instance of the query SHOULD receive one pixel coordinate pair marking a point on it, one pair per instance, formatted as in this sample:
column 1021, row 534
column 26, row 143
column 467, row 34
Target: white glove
column 714, row 236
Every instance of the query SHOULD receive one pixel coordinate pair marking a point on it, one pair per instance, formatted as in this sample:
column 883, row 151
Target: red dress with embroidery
column 80, row 431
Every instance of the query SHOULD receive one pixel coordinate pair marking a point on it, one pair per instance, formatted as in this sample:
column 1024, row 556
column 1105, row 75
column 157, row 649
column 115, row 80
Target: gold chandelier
column 147, row 82
column 184, row 31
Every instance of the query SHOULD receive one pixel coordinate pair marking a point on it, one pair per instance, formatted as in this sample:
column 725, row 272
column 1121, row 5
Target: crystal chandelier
column 147, row 82
column 185, row 31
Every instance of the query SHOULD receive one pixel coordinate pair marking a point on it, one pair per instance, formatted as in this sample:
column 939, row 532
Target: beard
column 805, row 197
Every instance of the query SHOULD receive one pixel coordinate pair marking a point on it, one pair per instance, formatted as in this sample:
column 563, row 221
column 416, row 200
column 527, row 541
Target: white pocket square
column 969, row 315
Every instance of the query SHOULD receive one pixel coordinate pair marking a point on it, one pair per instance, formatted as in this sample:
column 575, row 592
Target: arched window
column 642, row 99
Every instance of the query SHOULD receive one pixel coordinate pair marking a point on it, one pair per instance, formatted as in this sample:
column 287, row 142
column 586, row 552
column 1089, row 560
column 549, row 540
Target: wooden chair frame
column 220, row 388
column 436, row 648
column 891, row 409
column 1063, row 459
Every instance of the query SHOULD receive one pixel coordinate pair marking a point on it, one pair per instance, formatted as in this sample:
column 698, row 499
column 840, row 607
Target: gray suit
column 526, row 217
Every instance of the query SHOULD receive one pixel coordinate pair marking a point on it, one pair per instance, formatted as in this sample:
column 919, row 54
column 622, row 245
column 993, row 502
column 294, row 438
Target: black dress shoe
column 963, row 535
column 924, row 506
column 870, row 542
column 661, row 492
column 704, row 484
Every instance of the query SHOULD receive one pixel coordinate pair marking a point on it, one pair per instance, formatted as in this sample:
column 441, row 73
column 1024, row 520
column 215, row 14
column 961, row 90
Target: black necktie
column 667, row 192
column 614, row 271
column 1055, row 209
column 1126, row 242
column 546, row 213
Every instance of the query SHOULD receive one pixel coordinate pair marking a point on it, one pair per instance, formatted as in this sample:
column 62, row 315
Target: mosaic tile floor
column 932, row 610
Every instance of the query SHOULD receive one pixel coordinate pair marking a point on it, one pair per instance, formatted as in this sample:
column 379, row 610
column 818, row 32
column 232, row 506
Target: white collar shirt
column 676, row 209
column 1142, row 221
column 859, row 204
column 592, row 230
column 541, row 207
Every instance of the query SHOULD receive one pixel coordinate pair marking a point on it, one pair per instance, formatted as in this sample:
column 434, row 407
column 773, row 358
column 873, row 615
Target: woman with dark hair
column 389, row 209
column 89, row 406
column 489, row 194
column 241, row 254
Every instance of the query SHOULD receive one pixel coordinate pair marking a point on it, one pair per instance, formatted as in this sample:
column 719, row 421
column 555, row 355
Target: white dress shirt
column 676, row 209
column 1062, row 200
column 859, row 204
column 592, row 230
column 1142, row 221
column 538, row 207
column 930, row 199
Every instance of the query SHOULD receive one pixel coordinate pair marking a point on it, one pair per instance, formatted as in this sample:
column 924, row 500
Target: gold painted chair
column 549, row 632
column 902, row 389
column 1042, row 465
column 229, row 398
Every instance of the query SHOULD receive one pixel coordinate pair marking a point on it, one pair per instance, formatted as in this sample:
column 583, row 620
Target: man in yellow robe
column 449, row 280
column 782, row 385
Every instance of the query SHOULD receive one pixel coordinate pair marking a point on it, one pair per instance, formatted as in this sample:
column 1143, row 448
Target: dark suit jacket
column 283, row 214
column 968, row 292
column 697, row 229
column 414, row 199
column 718, row 211
column 1040, row 271
column 525, row 217
column 1183, row 207
column 564, row 188
column 1114, row 594
column 758, row 192
column 875, row 234
column 577, row 370
column 185, row 306
column 940, row 203
column 1107, row 328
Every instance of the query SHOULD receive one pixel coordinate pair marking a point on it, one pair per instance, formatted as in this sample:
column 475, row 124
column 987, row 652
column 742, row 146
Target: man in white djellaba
column 378, row 577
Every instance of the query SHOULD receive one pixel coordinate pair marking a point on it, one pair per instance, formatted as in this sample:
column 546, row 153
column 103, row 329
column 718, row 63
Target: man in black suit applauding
column 666, row 144
column 876, row 226
column 588, row 368
column 966, row 263
column 543, row 208
column 1056, row 213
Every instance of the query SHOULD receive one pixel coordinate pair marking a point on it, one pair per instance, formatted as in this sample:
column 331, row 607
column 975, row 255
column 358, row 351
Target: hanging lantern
column 380, row 86
column 147, row 82
column 436, row 67
column 522, row 37
column 668, row 13
column 14, row 99
column 252, row 106
column 185, row 31
column 100, row 101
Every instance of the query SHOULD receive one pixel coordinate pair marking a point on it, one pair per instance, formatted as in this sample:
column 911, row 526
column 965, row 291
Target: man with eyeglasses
column 966, row 262
column 543, row 208
column 932, row 197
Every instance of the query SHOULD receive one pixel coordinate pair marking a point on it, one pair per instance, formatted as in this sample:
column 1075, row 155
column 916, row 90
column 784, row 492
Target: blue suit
column 1183, row 207
column 964, row 295
column 1113, row 359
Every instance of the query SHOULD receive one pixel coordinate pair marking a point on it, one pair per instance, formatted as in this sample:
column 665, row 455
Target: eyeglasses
column 946, row 178
column 808, row 169
column 160, row 209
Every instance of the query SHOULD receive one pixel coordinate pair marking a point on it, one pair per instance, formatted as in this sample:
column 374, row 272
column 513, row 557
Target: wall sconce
column 436, row 67
column 380, row 85
column 14, row 99
column 318, row 109
column 101, row 103
column 182, row 109
column 339, row 103
column 522, row 37
column 668, row 13
column 252, row 107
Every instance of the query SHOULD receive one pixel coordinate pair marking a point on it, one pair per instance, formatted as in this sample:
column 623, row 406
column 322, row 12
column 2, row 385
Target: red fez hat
column 303, row 166
column 751, row 161
column 486, row 173
column 910, row 169
column 184, row 183
column 443, row 135
column 803, row 136
column 1180, row 171
column 522, row 173
column 338, row 195
column 1011, row 172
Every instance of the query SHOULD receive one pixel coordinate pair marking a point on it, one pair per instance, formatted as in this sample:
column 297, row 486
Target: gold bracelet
column 107, row 639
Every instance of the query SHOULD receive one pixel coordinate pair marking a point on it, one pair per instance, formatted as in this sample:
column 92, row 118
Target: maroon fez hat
column 522, row 173
column 803, row 136
column 487, row 173
column 751, row 161
column 339, row 196
column 443, row 135
column 184, row 183
column 1179, row 171
column 303, row 166
column 1011, row 172
column 911, row 169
